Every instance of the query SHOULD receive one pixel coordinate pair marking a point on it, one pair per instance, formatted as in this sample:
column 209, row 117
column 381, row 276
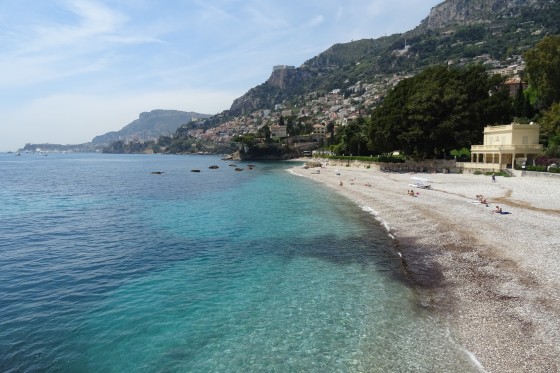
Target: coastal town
column 338, row 107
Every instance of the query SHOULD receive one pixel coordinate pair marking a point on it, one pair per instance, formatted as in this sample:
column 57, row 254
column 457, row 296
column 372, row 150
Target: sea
column 134, row 263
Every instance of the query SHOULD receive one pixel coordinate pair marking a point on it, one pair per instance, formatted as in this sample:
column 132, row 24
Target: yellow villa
column 503, row 145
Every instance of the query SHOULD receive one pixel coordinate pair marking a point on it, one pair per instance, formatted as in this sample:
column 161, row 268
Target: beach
column 492, row 278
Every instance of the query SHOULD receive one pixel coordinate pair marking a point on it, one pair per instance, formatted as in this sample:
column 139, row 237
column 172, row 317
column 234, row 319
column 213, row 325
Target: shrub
column 536, row 168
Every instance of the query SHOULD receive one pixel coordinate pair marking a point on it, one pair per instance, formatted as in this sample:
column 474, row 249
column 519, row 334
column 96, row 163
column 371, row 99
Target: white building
column 503, row 145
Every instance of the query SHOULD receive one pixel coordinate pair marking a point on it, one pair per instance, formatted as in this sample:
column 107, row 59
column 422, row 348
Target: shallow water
column 107, row 267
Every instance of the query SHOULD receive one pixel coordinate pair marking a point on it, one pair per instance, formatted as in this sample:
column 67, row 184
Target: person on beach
column 498, row 210
column 340, row 184
column 493, row 177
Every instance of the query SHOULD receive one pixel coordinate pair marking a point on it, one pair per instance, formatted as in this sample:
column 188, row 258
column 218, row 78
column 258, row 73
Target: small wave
column 474, row 360
column 293, row 173
column 369, row 209
column 379, row 219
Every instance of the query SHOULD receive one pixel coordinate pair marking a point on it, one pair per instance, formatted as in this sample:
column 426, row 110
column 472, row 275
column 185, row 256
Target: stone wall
column 428, row 166
column 523, row 173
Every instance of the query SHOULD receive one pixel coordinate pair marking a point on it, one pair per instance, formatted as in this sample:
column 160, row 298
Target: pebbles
column 492, row 278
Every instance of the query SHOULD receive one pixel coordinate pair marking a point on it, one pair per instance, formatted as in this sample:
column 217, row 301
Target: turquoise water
column 105, row 267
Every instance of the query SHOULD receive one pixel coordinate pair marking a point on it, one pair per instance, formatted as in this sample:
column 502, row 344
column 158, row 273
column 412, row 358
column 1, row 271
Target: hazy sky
column 74, row 69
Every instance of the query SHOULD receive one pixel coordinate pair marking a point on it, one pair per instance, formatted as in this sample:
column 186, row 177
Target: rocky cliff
column 280, row 83
column 466, row 12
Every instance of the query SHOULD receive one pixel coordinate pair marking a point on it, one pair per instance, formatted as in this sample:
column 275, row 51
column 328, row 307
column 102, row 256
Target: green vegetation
column 443, row 109
column 550, row 125
column 555, row 170
column 543, row 70
column 438, row 110
column 461, row 155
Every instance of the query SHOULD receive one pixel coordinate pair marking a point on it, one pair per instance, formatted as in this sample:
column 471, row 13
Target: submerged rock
column 213, row 167
column 195, row 170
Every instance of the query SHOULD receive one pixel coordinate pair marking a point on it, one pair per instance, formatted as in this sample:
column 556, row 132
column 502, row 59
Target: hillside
column 493, row 33
column 149, row 126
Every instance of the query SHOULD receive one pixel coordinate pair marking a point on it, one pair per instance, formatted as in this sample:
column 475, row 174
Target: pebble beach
column 493, row 279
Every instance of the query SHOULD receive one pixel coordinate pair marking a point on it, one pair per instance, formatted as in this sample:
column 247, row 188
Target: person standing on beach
column 493, row 177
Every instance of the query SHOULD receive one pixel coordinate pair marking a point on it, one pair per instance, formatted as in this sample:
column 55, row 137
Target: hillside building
column 278, row 131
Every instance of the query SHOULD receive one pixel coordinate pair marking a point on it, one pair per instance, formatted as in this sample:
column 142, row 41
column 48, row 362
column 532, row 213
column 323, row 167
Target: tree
column 519, row 102
column 354, row 137
column 290, row 128
column 543, row 70
column 440, row 108
column 264, row 132
column 522, row 103
column 330, row 130
column 247, row 139
column 550, row 125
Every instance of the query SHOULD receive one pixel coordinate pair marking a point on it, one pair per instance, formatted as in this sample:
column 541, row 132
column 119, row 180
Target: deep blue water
column 105, row 267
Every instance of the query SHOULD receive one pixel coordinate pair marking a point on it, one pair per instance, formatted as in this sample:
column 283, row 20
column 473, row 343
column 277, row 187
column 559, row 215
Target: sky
column 74, row 69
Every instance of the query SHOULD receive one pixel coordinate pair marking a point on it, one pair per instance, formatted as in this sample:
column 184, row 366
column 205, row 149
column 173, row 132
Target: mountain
column 491, row 32
column 465, row 12
column 150, row 126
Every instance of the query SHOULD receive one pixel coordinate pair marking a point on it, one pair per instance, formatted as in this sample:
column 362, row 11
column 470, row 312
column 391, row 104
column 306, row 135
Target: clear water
column 105, row 267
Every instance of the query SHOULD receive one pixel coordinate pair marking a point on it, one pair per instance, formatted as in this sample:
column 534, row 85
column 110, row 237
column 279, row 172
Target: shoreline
column 492, row 278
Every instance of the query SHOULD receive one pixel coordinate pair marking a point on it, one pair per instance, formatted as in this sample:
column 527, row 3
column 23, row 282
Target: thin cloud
column 206, row 12
column 315, row 21
column 90, row 20
column 265, row 20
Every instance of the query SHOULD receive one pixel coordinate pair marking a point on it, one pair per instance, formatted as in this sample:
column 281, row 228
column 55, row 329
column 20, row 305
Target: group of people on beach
column 412, row 194
column 480, row 198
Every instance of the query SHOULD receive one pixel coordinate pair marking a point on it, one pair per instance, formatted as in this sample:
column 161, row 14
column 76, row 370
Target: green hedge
column 553, row 170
